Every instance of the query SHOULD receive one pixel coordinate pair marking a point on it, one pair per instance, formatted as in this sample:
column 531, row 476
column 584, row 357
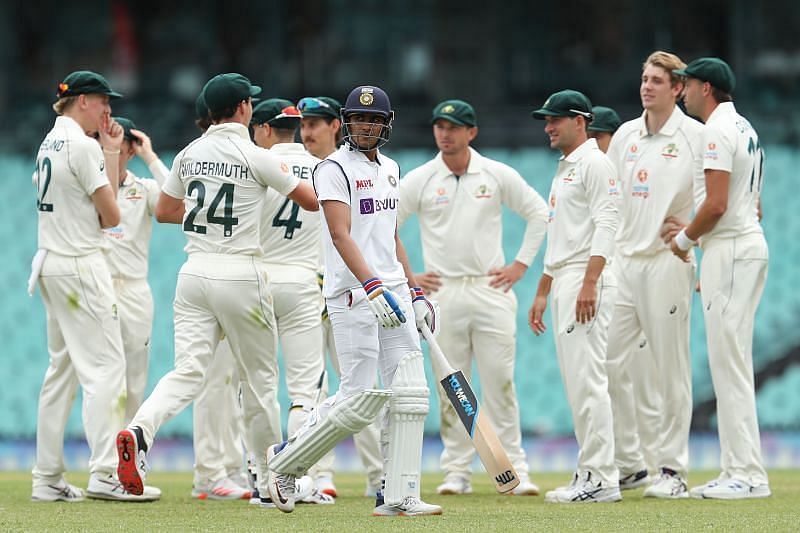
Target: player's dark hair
column 203, row 123
column 222, row 114
column 720, row 96
column 285, row 133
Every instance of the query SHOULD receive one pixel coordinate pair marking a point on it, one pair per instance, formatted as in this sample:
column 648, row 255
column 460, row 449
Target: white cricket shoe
column 317, row 497
column 325, row 485
column 565, row 489
column 280, row 486
column 584, row 490
column 697, row 492
column 110, row 488
column 634, row 480
column 526, row 487
column 224, row 489
column 303, row 488
column 736, row 489
column 132, row 467
column 669, row 485
column 410, row 506
column 455, row 484
column 57, row 492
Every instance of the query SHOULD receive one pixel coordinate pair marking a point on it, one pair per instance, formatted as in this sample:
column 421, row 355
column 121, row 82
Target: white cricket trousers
column 732, row 277
column 217, row 421
column 654, row 300
column 581, row 351
column 85, row 347
column 478, row 323
column 216, row 293
column 135, row 307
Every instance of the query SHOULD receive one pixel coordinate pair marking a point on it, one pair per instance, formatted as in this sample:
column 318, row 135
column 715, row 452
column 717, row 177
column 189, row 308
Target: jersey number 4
column 291, row 223
column 227, row 220
column 44, row 172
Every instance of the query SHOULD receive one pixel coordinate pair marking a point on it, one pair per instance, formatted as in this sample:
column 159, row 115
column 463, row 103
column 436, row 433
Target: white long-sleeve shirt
column 656, row 176
column 583, row 209
column 460, row 218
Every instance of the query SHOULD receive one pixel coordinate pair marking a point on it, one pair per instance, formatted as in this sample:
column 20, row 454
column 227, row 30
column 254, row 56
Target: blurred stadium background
column 504, row 59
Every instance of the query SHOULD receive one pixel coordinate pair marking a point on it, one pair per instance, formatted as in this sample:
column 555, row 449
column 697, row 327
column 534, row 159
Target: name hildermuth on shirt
column 214, row 168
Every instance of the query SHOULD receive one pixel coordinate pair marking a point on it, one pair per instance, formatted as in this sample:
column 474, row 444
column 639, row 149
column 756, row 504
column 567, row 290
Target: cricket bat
column 477, row 424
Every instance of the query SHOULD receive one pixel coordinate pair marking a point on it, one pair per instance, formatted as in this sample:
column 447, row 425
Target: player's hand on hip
column 384, row 303
column 504, row 278
column 429, row 281
column 671, row 227
column 683, row 255
column 586, row 305
column 536, row 315
column 111, row 134
column 425, row 311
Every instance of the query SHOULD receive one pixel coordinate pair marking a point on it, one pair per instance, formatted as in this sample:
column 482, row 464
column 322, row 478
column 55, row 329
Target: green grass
column 482, row 511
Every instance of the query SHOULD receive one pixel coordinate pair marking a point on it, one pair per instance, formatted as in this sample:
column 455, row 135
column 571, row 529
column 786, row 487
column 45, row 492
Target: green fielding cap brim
column 681, row 72
column 540, row 114
column 451, row 118
column 600, row 129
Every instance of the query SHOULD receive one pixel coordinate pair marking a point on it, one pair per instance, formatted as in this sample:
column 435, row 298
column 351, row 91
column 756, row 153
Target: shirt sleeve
column 173, row 186
column 270, row 171
column 159, row 171
column 603, row 197
column 330, row 183
column 409, row 197
column 527, row 203
column 90, row 166
column 718, row 149
column 153, row 189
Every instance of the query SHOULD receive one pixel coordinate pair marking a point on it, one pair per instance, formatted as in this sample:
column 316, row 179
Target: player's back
column 290, row 235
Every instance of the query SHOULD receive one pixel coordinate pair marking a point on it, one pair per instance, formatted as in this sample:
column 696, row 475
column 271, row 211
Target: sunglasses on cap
column 287, row 112
column 309, row 103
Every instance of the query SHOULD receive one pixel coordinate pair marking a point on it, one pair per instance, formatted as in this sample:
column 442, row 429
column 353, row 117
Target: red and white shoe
column 224, row 489
column 132, row 467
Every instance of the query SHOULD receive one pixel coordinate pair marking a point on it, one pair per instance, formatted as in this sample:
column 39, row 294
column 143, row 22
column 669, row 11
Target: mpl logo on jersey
column 362, row 185
column 643, row 189
column 368, row 206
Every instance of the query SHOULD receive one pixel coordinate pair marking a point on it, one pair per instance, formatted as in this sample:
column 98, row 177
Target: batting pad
column 322, row 431
column 407, row 411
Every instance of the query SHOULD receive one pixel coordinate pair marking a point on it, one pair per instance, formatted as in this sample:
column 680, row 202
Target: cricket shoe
column 325, row 485
column 303, row 488
column 132, row 467
column 265, row 503
column 697, row 492
column 736, row 489
column 410, row 506
column 526, row 487
column 255, row 497
column 57, row 492
column 281, row 487
column 455, row 484
column 634, row 481
column 551, row 494
column 317, row 497
column 669, row 485
column 224, row 489
column 110, row 488
column 584, row 491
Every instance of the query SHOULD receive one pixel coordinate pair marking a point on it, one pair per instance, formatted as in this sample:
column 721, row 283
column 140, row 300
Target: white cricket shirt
column 70, row 168
column 656, row 178
column 460, row 218
column 222, row 178
column 290, row 235
column 731, row 144
column 370, row 189
column 583, row 209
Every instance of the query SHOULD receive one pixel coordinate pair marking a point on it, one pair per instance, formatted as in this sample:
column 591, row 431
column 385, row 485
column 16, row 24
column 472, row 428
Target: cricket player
column 458, row 197
column 216, row 188
column 290, row 238
column 321, row 133
column 658, row 158
column 732, row 273
column 580, row 241
column 605, row 123
column 77, row 183
column 374, row 320
column 127, row 257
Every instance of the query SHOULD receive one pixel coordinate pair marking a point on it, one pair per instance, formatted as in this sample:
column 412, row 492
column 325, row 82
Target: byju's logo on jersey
column 368, row 206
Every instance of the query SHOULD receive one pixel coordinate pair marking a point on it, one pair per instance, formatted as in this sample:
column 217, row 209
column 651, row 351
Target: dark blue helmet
column 368, row 99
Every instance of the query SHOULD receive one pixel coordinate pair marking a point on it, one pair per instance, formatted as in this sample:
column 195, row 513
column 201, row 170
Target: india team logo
column 366, row 206
column 392, row 181
column 366, row 97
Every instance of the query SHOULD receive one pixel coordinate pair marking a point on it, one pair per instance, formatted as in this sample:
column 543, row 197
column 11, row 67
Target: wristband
column 111, row 152
column 683, row 241
column 417, row 294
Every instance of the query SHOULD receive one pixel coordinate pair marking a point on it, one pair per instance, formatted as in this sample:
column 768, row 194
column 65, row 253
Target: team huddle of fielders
column 296, row 244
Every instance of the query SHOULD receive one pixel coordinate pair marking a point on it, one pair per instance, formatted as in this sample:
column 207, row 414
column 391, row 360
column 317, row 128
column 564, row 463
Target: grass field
column 482, row 511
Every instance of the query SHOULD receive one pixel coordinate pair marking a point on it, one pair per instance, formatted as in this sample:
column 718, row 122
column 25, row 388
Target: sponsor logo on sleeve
column 711, row 152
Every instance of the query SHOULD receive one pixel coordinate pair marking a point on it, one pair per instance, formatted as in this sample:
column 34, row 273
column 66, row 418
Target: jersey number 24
column 227, row 220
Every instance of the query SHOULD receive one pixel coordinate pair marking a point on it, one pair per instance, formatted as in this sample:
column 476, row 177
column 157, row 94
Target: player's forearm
column 159, row 170
column 593, row 270
column 704, row 221
column 545, row 282
column 111, row 158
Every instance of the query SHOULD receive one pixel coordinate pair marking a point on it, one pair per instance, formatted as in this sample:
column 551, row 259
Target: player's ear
column 473, row 132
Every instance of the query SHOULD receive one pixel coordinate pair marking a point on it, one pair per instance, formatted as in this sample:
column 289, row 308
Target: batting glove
column 383, row 303
column 424, row 310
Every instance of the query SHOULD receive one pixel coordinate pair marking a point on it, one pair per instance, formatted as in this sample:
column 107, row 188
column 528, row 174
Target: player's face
column 656, row 90
column 452, row 138
column 563, row 132
column 98, row 107
column 603, row 139
column 319, row 136
column 260, row 134
column 365, row 129
column 248, row 110
column 693, row 96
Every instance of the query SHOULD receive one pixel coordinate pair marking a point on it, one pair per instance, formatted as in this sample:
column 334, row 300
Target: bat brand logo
column 505, row 478
column 469, row 410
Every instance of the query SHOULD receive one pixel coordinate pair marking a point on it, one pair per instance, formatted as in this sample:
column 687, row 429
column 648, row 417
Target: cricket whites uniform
column 583, row 221
column 127, row 256
column 732, row 277
column 83, row 331
column 223, row 286
column 656, row 176
column 460, row 220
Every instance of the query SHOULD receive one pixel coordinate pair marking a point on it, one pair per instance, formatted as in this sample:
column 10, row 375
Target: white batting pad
column 327, row 426
column 407, row 411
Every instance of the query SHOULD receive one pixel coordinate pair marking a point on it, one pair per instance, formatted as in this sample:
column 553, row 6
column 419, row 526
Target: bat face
column 463, row 399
